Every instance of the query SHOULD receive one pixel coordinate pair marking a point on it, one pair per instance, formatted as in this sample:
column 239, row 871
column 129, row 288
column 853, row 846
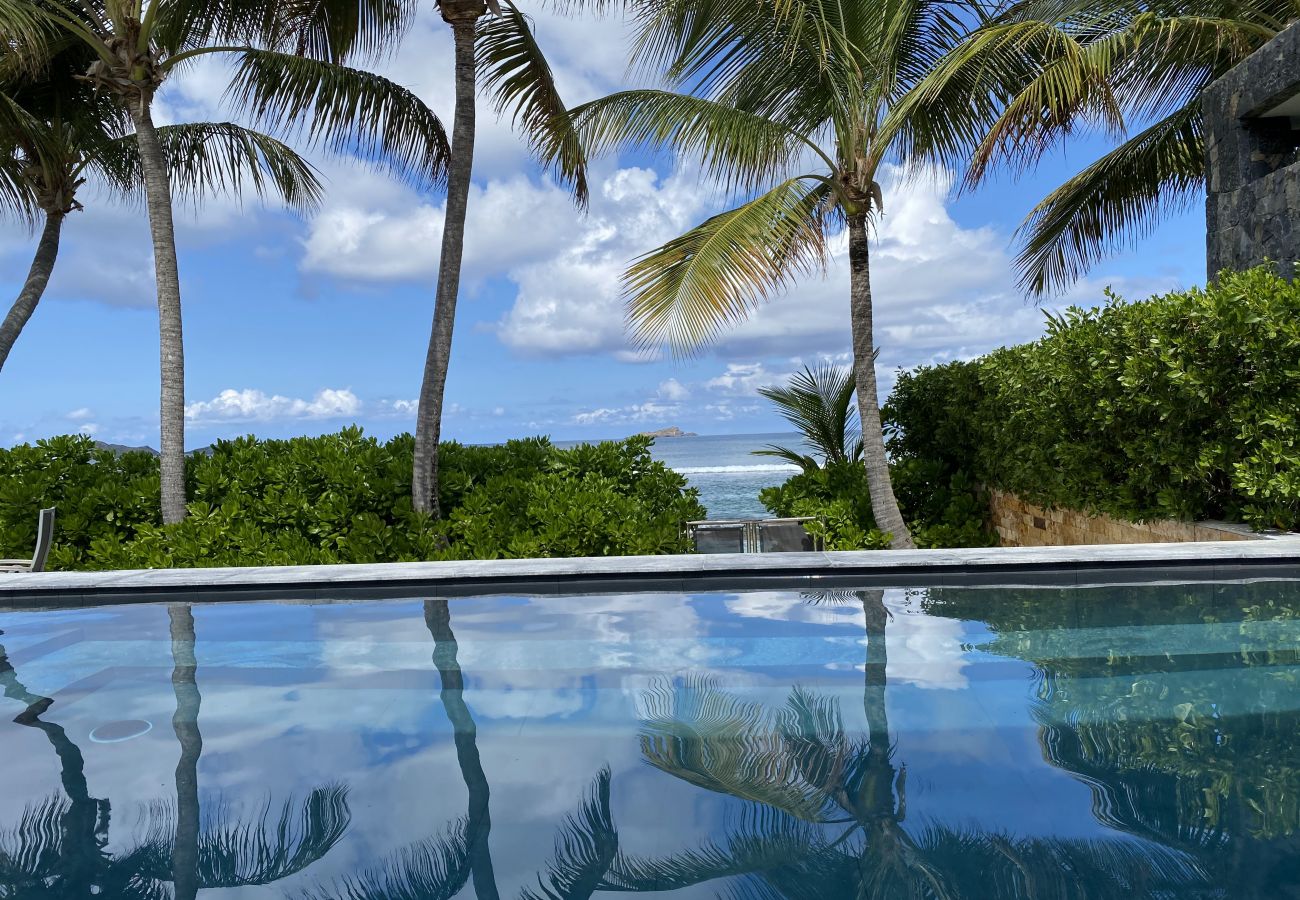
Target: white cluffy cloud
column 252, row 405
column 942, row 289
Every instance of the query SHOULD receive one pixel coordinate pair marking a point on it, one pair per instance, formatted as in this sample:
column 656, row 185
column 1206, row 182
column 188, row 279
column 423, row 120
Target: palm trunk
column 877, row 792
column 158, row 199
column 428, row 421
column 47, row 251
column 185, row 722
column 437, row 617
column 884, row 507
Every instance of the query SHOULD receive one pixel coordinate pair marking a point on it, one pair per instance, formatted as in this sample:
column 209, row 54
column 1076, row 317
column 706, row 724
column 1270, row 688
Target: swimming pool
column 1112, row 741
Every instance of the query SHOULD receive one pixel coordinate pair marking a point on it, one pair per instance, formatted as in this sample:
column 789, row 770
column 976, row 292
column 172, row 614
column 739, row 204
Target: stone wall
column 1021, row 524
column 1252, row 158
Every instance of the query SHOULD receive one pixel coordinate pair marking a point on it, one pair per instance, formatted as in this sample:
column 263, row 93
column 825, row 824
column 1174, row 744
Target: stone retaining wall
column 1021, row 524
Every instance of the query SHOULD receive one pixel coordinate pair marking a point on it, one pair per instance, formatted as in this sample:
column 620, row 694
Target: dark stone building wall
column 1252, row 210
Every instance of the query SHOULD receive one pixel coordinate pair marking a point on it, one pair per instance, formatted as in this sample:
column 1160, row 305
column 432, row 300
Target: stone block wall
column 1021, row 524
column 1252, row 158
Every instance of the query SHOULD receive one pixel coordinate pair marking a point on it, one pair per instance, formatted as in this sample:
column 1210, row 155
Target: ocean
column 725, row 470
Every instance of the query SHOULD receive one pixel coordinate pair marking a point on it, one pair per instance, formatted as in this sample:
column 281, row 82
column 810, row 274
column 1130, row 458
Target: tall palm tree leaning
column 1107, row 65
column 46, row 121
column 774, row 84
column 504, row 52
column 57, row 132
column 288, row 72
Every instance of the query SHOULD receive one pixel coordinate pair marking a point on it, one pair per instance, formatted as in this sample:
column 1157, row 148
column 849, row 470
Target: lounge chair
column 44, row 535
column 752, row 536
column 784, row 536
column 719, row 536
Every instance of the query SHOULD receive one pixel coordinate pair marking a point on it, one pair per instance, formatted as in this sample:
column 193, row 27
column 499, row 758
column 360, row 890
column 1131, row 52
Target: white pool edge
column 985, row 564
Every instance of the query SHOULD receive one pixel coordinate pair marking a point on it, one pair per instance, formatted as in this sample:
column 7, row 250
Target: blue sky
column 300, row 325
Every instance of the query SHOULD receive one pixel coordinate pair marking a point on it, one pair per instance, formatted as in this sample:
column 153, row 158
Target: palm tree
column 60, row 846
column 1062, row 67
column 138, row 44
column 818, row 402
column 505, row 53
column 774, row 85
column 56, row 132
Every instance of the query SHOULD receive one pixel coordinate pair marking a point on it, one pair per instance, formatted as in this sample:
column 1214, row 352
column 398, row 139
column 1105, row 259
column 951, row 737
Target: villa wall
column 1021, row 524
column 1252, row 156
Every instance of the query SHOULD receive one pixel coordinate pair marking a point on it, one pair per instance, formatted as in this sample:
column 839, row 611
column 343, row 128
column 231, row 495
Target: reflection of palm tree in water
column 478, row 820
column 185, row 722
column 826, row 811
column 59, row 841
column 58, row 848
column 438, row 868
column 1174, row 705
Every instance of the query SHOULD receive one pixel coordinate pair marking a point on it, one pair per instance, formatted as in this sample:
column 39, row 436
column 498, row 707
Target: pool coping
column 994, row 566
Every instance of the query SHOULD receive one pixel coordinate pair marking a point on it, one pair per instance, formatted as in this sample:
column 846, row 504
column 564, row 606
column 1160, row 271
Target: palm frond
column 18, row 128
column 759, row 839
column 739, row 149
column 206, row 159
column 28, row 29
column 1112, row 202
column 794, row 457
column 1011, row 866
column 818, row 402
column 518, row 78
column 237, row 854
column 715, row 741
column 345, row 110
column 335, row 30
column 31, row 852
column 686, row 291
column 432, row 869
column 584, row 849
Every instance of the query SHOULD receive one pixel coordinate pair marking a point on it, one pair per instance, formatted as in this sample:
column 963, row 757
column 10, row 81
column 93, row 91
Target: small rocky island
column 672, row 431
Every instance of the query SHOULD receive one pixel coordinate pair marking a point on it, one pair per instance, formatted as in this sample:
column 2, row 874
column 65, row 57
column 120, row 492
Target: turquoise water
column 725, row 470
column 977, row 743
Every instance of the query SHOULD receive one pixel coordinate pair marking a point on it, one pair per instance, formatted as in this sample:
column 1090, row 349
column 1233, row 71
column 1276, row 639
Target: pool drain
column 121, row 730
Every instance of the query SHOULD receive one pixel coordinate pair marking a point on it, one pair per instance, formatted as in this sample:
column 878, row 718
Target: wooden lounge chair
column 44, row 535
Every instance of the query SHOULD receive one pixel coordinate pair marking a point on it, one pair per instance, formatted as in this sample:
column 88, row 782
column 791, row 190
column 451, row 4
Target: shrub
column 100, row 495
column 837, row 495
column 342, row 498
column 939, row 505
column 1182, row 406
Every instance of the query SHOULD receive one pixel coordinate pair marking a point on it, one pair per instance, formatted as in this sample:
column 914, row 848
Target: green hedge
column 940, row 511
column 342, row 498
column 1183, row 406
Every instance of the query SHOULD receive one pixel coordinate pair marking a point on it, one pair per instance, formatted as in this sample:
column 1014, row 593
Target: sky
column 304, row 324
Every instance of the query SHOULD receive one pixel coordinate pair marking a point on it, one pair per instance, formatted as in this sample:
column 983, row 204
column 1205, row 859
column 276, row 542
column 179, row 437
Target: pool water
column 1125, row 741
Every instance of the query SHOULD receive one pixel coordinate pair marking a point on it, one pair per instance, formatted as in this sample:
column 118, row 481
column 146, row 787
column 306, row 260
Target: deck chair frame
column 44, row 537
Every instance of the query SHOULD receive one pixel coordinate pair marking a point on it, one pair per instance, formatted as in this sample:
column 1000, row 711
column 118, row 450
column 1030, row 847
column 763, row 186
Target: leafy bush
column 342, row 498
column 940, row 507
column 1183, row 406
column 100, row 495
column 837, row 495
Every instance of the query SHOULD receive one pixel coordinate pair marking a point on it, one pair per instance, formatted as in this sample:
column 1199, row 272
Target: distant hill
column 123, row 448
column 670, row 432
